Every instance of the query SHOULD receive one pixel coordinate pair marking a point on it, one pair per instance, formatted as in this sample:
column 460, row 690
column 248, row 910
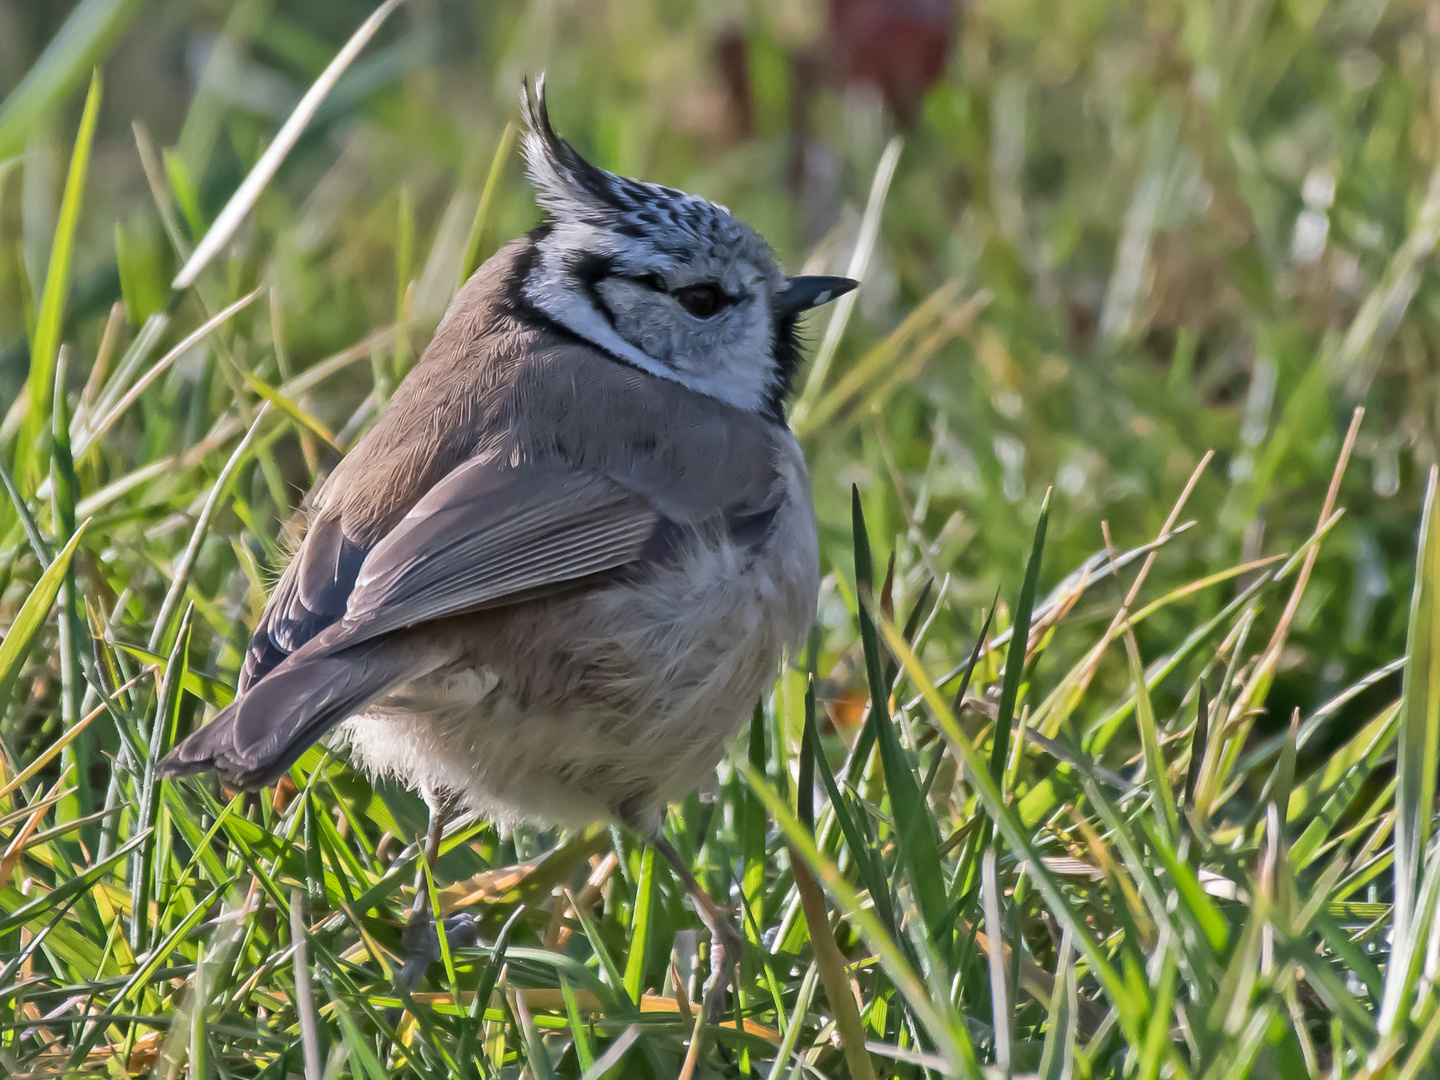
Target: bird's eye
column 702, row 301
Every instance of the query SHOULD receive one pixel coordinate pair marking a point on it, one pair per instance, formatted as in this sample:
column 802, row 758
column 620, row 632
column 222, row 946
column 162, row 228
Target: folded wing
column 483, row 537
column 486, row 535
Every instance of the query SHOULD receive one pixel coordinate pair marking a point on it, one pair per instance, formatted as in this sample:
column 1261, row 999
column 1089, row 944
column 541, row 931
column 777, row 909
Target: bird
column 555, row 576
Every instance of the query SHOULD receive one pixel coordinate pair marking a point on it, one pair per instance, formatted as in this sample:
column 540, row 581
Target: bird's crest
column 573, row 191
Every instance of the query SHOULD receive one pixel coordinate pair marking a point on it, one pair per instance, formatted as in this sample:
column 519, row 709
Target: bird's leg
column 422, row 945
column 433, row 834
column 725, row 940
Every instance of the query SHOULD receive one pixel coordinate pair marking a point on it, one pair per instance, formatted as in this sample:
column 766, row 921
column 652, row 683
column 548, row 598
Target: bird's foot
column 422, row 943
column 725, row 941
column 726, row 946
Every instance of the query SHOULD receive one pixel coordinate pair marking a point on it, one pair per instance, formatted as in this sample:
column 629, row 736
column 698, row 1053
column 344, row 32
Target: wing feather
column 485, row 534
column 311, row 596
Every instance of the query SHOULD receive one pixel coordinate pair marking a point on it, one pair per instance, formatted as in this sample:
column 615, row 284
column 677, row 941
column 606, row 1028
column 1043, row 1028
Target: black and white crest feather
column 575, row 192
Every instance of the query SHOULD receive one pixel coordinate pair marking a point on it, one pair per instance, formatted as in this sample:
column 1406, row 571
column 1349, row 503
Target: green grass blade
column 579, row 1030
column 1156, row 770
column 22, row 632
column 1010, row 829
column 207, row 688
column 1199, row 740
column 752, row 838
column 949, row 1036
column 404, row 260
column 867, row 862
column 361, row 1052
column 162, row 735
column 1157, row 1034
column 1196, row 902
column 49, row 321
column 304, row 420
column 64, row 488
column 64, row 491
column 1057, row 1058
column 918, row 842
column 486, row 210
column 38, row 544
column 24, row 914
column 809, row 751
column 485, row 986
column 1418, row 754
column 641, row 929
column 613, row 976
column 1019, row 645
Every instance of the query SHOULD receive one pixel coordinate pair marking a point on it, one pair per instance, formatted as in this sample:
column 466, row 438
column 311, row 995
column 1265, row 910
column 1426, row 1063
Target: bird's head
column 669, row 282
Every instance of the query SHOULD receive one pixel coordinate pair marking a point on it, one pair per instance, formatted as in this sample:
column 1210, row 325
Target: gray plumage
column 560, row 569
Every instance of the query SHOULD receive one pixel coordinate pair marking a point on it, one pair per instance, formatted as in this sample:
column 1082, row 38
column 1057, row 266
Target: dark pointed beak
column 802, row 293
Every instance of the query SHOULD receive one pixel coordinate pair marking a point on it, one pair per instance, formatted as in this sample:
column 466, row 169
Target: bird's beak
column 802, row 293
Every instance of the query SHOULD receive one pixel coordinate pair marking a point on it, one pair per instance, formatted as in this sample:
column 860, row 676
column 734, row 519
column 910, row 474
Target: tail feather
column 256, row 739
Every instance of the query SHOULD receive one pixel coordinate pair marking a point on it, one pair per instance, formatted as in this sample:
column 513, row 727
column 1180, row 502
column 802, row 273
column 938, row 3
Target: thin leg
column 422, row 945
column 725, row 940
column 433, row 834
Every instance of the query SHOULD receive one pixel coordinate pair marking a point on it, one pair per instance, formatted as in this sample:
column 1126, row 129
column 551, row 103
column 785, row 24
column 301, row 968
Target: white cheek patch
column 739, row 375
column 735, row 353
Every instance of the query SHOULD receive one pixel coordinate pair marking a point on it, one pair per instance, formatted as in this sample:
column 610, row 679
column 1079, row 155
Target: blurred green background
column 1184, row 227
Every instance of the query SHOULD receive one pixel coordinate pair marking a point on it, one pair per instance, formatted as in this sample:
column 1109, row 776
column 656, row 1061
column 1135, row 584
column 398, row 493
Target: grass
column 1113, row 750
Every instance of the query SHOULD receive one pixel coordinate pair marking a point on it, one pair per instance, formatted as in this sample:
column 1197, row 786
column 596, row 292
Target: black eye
column 702, row 301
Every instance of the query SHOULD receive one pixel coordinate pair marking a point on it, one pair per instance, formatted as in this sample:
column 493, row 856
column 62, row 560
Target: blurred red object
column 899, row 46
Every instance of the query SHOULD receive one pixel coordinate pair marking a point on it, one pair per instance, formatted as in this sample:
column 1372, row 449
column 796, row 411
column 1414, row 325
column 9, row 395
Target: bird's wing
column 487, row 535
column 311, row 596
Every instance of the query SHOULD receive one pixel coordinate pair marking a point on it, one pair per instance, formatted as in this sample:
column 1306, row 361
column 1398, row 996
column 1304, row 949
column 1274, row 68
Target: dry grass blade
column 1123, row 613
column 304, row 1003
column 17, row 844
column 831, row 963
column 88, row 438
column 285, row 139
column 999, row 990
column 1327, row 510
column 951, row 1041
column 1231, row 729
column 181, row 575
column 934, row 322
column 859, row 262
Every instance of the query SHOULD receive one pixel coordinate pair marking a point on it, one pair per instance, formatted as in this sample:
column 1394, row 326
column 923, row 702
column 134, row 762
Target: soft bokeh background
column 1117, row 236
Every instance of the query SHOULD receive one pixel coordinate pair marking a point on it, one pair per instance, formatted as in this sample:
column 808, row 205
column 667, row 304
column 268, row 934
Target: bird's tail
column 264, row 731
